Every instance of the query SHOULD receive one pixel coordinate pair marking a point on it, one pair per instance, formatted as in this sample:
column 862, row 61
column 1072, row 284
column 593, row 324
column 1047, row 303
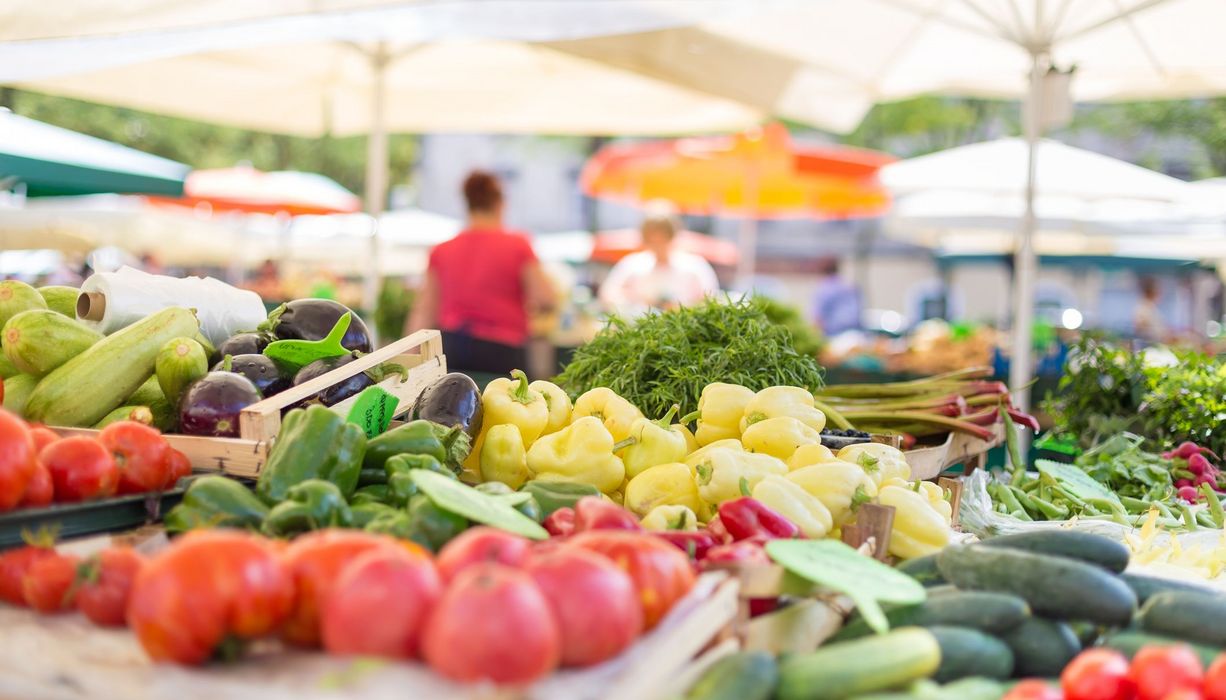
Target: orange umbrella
column 249, row 190
column 611, row 246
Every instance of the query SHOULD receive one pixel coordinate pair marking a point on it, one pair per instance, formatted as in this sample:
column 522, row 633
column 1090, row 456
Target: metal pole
column 376, row 168
column 1025, row 263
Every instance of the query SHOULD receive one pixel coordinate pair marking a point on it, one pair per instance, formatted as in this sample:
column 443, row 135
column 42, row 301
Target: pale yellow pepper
column 918, row 529
column 655, row 442
column 779, row 437
column 503, row 457
column 880, row 462
column 791, row 401
column 808, row 455
column 840, row 486
column 581, row 453
column 720, row 408
column 791, row 501
column 664, row 484
column 617, row 414
column 670, row 518
column 936, row 498
column 558, row 403
column 514, row 401
column 725, row 474
column 691, row 442
column 693, row 458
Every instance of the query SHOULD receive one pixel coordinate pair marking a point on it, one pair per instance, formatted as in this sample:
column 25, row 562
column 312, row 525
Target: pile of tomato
column 1155, row 673
column 38, row 467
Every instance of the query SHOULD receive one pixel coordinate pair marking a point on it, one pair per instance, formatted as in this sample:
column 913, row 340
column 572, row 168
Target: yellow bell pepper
column 808, row 455
column 840, row 486
column 655, row 442
column 918, row 529
column 936, row 498
column 511, row 401
column 557, row 404
column 779, row 437
column 670, row 518
column 664, row 484
column 720, row 407
column 693, row 458
column 776, row 401
column 691, row 443
column 617, row 414
column 791, row 501
column 581, row 453
column 503, row 457
column 725, row 474
column 880, row 462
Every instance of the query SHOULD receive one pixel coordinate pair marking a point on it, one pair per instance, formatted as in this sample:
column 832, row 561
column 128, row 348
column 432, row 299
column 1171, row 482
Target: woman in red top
column 482, row 286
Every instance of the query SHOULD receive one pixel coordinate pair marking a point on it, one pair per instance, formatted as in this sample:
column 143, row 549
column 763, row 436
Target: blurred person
column 267, row 282
column 149, row 263
column 482, row 287
column 659, row 276
column 836, row 301
column 1147, row 320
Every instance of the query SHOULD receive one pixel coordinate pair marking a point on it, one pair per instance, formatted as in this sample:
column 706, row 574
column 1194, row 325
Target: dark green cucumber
column 1087, row 632
column 994, row 613
column 923, row 569
column 1053, row 586
column 1041, row 648
column 1147, row 586
column 882, row 662
column 966, row 653
column 1073, row 544
column 746, row 675
column 1129, row 643
column 1189, row 615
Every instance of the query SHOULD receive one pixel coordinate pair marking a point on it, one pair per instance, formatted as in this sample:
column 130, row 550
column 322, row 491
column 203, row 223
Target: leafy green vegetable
column 495, row 511
column 666, row 358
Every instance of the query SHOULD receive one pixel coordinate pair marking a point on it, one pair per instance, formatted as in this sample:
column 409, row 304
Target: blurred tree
column 927, row 124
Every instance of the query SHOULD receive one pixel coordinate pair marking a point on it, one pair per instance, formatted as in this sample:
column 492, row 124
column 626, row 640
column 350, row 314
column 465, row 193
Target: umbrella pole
column 376, row 170
column 1025, row 263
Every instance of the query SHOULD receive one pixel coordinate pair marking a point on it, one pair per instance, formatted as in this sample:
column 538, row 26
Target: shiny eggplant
column 313, row 319
column 244, row 344
column 211, row 404
column 337, row 392
column 452, row 400
column 262, row 372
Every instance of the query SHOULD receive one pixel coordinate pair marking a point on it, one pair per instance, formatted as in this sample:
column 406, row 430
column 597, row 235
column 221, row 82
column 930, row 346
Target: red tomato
column 380, row 603
column 104, row 582
column 479, row 544
column 314, row 562
column 1157, row 671
column 1184, row 694
column 1215, row 677
column 43, row 436
column 492, row 623
column 40, row 491
column 1034, row 689
column 47, row 584
column 593, row 602
column 661, row 572
column 14, row 564
column 17, row 460
column 81, row 469
column 178, row 466
column 1096, row 674
column 595, row 513
column 207, row 587
column 140, row 455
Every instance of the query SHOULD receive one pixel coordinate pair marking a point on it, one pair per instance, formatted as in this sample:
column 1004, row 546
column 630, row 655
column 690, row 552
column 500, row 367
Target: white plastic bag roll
column 113, row 300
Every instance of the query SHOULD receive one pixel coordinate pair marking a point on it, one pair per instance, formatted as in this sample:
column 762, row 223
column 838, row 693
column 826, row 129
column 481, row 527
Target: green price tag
column 373, row 410
column 296, row 354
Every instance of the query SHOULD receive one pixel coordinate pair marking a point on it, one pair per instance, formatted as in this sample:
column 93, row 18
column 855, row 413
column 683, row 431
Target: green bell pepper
column 449, row 446
column 401, row 486
column 311, row 505
column 375, row 493
column 431, row 526
column 216, row 501
column 314, row 443
column 365, row 513
column 552, row 495
column 393, row 521
column 371, row 477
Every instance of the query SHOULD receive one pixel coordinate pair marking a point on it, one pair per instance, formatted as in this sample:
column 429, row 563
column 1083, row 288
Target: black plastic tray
column 77, row 519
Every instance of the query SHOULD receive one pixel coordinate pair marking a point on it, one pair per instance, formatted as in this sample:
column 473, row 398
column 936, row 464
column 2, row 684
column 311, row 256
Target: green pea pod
column 552, row 495
column 311, row 505
column 314, row 443
column 431, row 526
column 417, row 437
column 216, row 501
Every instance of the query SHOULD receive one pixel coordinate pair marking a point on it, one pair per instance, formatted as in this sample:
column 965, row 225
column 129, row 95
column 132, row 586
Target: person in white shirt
column 659, row 276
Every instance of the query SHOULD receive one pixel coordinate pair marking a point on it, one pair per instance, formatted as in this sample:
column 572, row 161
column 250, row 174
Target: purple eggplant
column 244, row 344
column 211, row 404
column 337, row 392
column 262, row 372
column 452, row 400
column 313, row 319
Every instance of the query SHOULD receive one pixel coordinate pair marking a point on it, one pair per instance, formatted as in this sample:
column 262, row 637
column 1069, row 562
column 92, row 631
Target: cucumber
column 1082, row 546
column 993, row 613
column 39, row 340
column 17, row 390
column 165, row 417
column 1087, row 633
column 1189, row 615
column 1053, row 586
column 16, row 297
column 923, row 569
column 180, row 362
column 881, row 662
column 1041, row 648
column 1147, row 586
column 745, row 675
column 62, row 300
column 966, row 653
column 89, row 386
column 965, row 689
column 7, row 368
column 140, row 414
column 1129, row 643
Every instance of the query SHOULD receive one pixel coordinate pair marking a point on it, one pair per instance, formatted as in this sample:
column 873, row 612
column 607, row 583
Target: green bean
column 1215, row 505
column 1050, row 510
column 1010, row 501
column 1189, row 519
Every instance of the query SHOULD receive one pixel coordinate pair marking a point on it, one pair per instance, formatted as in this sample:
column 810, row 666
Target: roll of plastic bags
column 114, row 300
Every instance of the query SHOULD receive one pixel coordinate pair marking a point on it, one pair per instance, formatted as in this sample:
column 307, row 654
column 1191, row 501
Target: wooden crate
column 421, row 353
column 927, row 463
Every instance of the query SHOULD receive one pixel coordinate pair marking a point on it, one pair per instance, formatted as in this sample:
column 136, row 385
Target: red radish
column 1198, row 464
column 1188, row 493
column 1183, row 483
